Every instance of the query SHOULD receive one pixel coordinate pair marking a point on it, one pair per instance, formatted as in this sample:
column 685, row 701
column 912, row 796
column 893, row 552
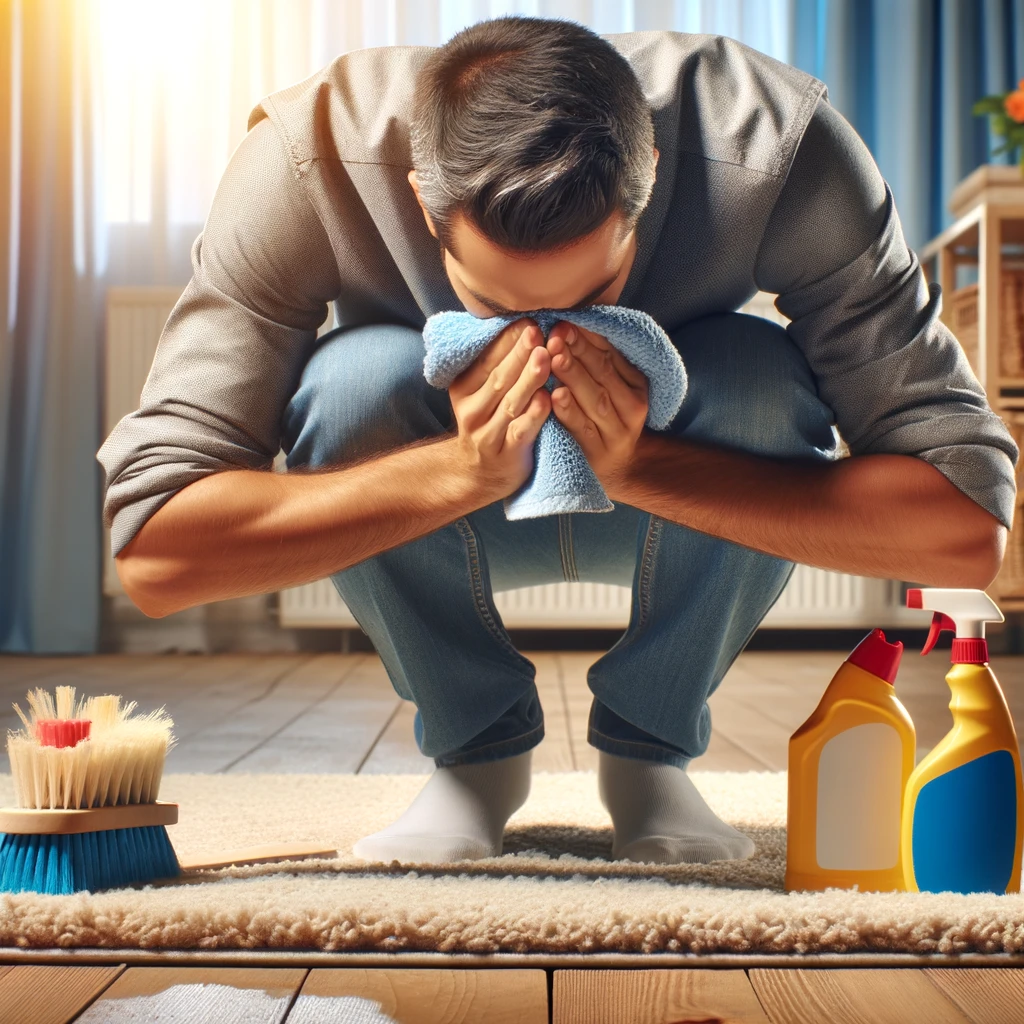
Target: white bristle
column 121, row 761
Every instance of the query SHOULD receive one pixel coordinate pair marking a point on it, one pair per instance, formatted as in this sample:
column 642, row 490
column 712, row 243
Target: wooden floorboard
column 984, row 995
column 374, row 726
column 393, row 749
column 413, row 996
column 51, row 995
column 315, row 721
column 193, row 994
column 852, row 997
column 190, row 995
column 555, row 752
column 654, row 997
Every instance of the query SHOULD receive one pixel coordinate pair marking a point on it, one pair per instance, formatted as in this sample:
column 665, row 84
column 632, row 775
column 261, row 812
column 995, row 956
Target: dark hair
column 535, row 129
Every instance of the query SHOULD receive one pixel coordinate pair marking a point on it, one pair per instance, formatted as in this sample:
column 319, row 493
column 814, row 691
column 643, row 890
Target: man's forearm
column 244, row 532
column 886, row 516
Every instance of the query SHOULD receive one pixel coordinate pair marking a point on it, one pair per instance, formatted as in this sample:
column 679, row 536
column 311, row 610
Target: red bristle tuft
column 62, row 732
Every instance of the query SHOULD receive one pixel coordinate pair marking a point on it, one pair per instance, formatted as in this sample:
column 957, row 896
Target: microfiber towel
column 562, row 479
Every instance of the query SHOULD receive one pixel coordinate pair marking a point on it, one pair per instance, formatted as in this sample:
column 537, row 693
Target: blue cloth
column 562, row 479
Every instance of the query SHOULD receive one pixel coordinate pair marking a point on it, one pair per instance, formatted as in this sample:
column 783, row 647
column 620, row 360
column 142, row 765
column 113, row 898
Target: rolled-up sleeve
column 868, row 322
column 232, row 351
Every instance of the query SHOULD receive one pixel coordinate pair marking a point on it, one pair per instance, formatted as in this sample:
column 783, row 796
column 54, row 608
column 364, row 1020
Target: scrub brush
column 86, row 777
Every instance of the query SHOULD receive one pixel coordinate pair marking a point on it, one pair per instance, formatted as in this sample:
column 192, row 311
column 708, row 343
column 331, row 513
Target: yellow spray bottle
column 848, row 769
column 962, row 822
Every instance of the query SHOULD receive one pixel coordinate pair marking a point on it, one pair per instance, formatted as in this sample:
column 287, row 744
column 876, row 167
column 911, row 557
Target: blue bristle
column 62, row 864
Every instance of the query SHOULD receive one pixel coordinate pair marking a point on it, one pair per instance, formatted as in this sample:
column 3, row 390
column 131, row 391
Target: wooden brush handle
column 34, row 821
column 257, row 855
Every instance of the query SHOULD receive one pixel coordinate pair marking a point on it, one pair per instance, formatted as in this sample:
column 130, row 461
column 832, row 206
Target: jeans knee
column 362, row 393
column 750, row 388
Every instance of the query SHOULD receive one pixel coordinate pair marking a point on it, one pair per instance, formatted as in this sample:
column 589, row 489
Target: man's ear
column 426, row 216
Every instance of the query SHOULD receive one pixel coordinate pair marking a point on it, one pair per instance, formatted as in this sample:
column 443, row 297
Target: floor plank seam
column 110, row 981
column 757, row 995
column 560, row 670
column 760, row 711
column 379, row 737
column 725, row 738
column 295, row 997
column 274, row 683
column 277, row 732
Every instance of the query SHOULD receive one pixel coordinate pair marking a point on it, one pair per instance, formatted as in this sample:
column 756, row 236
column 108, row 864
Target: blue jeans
column 428, row 605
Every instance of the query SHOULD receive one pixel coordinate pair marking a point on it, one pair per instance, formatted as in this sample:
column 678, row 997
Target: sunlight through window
column 177, row 80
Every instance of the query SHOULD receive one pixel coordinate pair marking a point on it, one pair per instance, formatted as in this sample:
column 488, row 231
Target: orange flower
column 1014, row 104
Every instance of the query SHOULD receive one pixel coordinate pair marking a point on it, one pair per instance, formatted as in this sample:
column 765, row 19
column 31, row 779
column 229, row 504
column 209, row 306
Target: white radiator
column 135, row 318
column 813, row 598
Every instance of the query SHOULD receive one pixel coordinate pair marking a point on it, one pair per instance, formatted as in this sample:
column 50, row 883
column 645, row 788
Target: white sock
column 460, row 813
column 659, row 815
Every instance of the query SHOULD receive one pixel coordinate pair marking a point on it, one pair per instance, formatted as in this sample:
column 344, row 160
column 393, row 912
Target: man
column 553, row 168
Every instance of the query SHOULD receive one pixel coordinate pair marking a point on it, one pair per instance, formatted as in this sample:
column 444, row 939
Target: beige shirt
column 760, row 184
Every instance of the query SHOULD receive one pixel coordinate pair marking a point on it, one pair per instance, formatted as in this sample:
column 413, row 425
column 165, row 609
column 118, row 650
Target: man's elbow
column 147, row 589
column 979, row 558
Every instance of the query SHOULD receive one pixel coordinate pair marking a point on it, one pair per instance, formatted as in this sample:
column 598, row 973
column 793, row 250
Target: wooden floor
column 269, row 995
column 339, row 713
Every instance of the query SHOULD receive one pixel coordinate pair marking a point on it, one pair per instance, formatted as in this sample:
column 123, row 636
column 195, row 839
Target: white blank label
column 859, row 791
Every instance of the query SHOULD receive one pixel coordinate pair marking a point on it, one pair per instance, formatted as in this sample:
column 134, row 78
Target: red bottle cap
column 62, row 732
column 876, row 655
column 969, row 650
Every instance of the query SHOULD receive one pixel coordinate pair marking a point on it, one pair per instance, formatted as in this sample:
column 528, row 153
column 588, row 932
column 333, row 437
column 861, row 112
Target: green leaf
column 989, row 105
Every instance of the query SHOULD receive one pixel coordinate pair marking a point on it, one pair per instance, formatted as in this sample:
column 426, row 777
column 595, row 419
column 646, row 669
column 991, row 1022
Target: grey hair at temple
column 534, row 129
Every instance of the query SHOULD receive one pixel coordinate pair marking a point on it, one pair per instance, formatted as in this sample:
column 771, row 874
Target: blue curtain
column 905, row 74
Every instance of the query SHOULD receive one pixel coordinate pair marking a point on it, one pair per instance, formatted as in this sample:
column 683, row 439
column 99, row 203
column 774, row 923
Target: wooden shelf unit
column 988, row 234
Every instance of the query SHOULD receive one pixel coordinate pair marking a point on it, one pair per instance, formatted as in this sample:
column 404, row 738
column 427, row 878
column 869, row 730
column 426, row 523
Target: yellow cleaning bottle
column 848, row 768
column 962, row 825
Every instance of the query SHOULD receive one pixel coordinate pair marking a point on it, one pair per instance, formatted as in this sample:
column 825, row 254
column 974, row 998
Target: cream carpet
column 555, row 888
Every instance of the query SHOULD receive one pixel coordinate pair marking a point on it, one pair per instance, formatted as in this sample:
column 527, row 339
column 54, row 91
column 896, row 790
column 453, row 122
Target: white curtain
column 176, row 81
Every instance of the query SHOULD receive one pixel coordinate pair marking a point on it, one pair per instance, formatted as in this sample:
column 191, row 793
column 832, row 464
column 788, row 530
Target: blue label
column 965, row 827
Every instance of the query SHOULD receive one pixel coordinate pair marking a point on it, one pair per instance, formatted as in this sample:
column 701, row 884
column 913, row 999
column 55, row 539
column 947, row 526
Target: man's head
column 533, row 150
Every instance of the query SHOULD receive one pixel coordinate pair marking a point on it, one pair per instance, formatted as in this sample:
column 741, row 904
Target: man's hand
column 603, row 402
column 500, row 402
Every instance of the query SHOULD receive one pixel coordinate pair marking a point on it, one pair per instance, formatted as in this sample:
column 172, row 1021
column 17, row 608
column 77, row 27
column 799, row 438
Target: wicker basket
column 962, row 320
column 1010, row 582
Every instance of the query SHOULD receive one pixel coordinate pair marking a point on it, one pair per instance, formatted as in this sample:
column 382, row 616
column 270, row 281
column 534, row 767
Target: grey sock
column 659, row 815
column 459, row 814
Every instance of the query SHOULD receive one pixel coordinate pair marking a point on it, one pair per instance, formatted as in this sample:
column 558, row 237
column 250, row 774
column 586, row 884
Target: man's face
column 491, row 281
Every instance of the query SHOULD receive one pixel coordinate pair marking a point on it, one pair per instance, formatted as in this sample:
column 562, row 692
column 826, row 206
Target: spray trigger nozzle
column 940, row 622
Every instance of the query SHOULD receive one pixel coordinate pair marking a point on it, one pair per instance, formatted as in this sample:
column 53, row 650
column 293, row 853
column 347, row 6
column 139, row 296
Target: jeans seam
column 667, row 755
column 565, row 549
column 572, row 551
column 632, row 743
column 718, row 682
column 476, row 581
column 647, row 568
column 509, row 740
